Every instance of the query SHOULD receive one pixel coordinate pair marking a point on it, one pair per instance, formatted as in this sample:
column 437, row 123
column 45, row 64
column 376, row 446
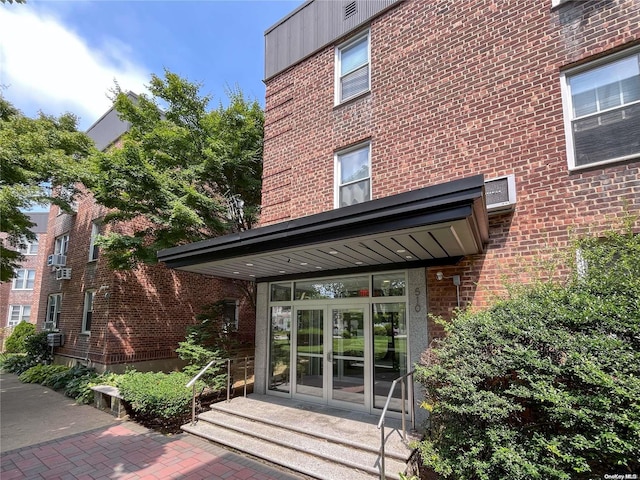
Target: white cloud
column 48, row 67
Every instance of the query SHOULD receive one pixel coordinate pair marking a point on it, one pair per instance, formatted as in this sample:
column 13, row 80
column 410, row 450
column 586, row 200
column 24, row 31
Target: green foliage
column 42, row 373
column 16, row 363
column 37, row 156
column 15, row 342
column 545, row 384
column 197, row 357
column 175, row 166
column 160, row 396
column 37, row 349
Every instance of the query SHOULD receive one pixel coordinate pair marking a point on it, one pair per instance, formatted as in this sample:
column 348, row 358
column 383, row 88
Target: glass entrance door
column 310, row 354
column 348, row 355
column 331, row 354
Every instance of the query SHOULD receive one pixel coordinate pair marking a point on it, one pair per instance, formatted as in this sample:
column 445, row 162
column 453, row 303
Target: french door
column 331, row 359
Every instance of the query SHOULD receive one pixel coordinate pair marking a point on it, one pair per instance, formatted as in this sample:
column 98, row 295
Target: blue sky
column 59, row 56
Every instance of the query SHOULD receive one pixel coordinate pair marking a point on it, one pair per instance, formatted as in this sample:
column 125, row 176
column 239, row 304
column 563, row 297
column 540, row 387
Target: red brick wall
column 139, row 315
column 458, row 88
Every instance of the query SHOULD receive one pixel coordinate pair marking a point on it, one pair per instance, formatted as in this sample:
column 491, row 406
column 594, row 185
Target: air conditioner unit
column 56, row 260
column 500, row 194
column 55, row 339
column 63, row 274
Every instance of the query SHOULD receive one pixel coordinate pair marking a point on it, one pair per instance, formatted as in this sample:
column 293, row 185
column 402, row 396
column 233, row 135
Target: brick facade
column 458, row 88
column 139, row 316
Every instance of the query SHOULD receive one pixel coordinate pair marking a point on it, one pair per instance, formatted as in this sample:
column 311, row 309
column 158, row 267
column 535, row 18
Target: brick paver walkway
column 129, row 451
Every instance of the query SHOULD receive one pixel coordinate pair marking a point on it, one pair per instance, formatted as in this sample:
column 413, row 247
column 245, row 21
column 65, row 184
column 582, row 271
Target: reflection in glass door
column 310, row 352
column 348, row 355
column 389, row 328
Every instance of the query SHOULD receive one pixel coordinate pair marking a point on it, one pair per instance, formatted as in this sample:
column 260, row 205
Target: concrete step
column 315, row 441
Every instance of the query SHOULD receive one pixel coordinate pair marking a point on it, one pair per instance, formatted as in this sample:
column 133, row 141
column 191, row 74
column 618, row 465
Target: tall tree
column 39, row 158
column 182, row 172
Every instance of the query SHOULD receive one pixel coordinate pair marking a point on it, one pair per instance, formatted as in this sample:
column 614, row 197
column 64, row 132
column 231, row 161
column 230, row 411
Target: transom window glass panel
column 353, row 177
column 604, row 109
column 338, row 288
column 281, row 292
column 389, row 285
column 353, row 68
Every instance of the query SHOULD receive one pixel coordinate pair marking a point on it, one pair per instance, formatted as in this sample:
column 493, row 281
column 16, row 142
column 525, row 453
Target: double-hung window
column 25, row 279
column 89, row 296
column 352, row 68
column 602, row 110
column 353, row 176
column 54, row 304
column 61, row 245
column 18, row 313
column 93, row 248
column 28, row 247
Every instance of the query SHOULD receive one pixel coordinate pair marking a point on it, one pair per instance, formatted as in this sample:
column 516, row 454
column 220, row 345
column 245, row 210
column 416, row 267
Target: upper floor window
column 352, row 173
column 25, row 279
column 18, row 313
column 352, row 68
column 61, row 245
column 93, row 248
column 54, row 305
column 28, row 247
column 89, row 296
column 602, row 111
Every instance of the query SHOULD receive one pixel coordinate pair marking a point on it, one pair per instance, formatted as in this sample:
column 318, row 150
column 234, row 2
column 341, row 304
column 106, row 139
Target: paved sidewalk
column 45, row 435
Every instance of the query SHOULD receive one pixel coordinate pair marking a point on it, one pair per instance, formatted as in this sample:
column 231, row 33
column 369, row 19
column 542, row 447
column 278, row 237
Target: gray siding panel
column 312, row 27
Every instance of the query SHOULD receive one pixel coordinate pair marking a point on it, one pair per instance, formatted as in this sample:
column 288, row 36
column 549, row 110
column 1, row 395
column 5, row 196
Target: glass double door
column 331, row 359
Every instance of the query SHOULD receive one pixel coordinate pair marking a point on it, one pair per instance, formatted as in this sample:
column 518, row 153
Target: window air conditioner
column 55, row 339
column 63, row 274
column 501, row 194
column 56, row 260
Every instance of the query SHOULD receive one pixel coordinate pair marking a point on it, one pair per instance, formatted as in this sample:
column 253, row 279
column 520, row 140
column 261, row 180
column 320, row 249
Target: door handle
column 329, row 356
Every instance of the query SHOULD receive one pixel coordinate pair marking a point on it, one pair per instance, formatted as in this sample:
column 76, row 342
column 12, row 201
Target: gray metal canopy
column 434, row 225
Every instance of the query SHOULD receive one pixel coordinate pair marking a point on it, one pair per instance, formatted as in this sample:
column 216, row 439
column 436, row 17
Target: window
column 28, row 247
column 18, row 313
column 25, row 279
column 352, row 68
column 61, row 245
column 93, row 248
column 54, row 304
column 353, row 183
column 230, row 315
column 602, row 111
column 88, row 310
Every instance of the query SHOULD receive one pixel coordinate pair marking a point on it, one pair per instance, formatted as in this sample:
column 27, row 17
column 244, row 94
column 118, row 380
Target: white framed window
column 89, row 296
column 25, row 279
column 353, row 75
column 230, row 315
column 602, row 110
column 18, row 313
column 93, row 248
column 54, row 304
column 29, row 247
column 61, row 245
column 353, row 176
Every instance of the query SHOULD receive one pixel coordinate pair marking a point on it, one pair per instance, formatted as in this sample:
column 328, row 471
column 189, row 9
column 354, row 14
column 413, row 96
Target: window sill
column 604, row 163
column 351, row 100
column 85, row 334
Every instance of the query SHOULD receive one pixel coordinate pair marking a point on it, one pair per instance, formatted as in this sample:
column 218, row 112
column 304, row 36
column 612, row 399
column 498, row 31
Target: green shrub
column 37, row 349
column 156, row 397
column 41, row 373
column 15, row 342
column 79, row 387
column 197, row 357
column 545, row 384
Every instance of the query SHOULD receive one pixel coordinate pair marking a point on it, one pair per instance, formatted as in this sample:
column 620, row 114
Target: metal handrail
column 194, row 380
column 384, row 412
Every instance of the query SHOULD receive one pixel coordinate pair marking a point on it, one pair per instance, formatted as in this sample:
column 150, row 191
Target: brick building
column 417, row 154
column 116, row 319
column 19, row 298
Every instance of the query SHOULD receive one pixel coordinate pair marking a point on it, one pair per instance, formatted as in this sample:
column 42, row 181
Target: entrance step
column 314, row 440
